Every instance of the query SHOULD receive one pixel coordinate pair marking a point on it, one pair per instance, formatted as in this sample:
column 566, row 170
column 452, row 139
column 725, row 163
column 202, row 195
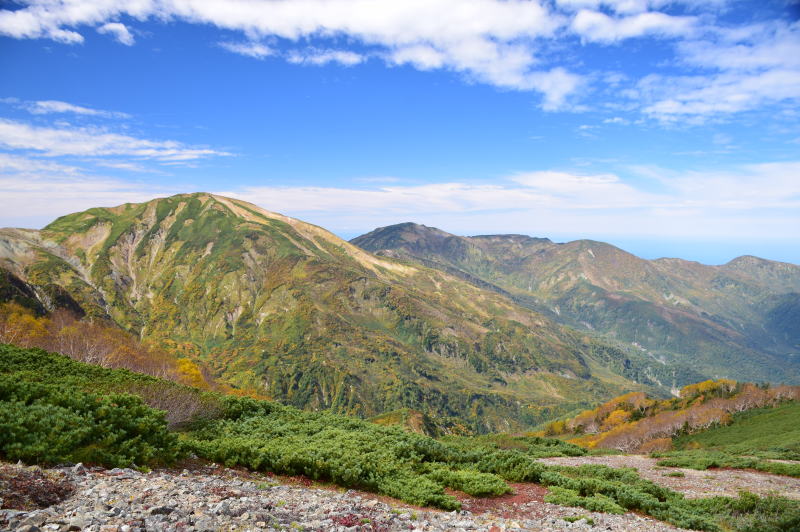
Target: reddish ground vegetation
column 515, row 505
column 30, row 488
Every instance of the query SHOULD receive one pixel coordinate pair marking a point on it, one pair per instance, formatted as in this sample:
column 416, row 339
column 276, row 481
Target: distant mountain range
column 496, row 332
column 738, row 320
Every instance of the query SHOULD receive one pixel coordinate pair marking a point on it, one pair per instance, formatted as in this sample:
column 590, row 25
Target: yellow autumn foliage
column 189, row 373
column 617, row 417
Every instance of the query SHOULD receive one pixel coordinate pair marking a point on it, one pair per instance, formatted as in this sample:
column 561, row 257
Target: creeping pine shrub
column 751, row 513
column 48, row 423
column 595, row 503
column 702, row 459
column 469, row 481
column 46, row 415
column 417, row 469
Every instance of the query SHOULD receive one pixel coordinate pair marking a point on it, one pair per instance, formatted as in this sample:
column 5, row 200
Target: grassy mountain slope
column 274, row 304
column 772, row 433
column 765, row 439
column 697, row 321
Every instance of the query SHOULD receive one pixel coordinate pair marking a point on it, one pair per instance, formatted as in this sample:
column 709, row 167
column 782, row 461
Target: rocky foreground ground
column 212, row 498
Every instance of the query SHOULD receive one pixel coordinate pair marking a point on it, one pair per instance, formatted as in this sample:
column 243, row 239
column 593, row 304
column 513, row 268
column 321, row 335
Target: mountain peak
column 402, row 235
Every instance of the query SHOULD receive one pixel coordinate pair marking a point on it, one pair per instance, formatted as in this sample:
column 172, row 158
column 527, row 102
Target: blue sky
column 663, row 127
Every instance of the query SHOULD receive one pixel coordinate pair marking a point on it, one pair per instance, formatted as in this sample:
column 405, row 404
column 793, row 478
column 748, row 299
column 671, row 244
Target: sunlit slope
column 278, row 305
column 734, row 320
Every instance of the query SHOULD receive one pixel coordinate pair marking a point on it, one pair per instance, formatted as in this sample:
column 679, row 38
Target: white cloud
column 323, row 57
column 556, row 86
column 755, row 199
column 778, row 49
column 599, row 27
column 422, row 57
column 54, row 106
column 702, row 97
column 92, row 142
column 750, row 201
column 39, row 200
column 634, row 6
column 584, row 191
column 25, row 166
column 123, row 165
column 249, row 49
column 745, row 69
column 512, row 44
column 35, row 191
column 491, row 41
column 118, row 31
column 765, row 185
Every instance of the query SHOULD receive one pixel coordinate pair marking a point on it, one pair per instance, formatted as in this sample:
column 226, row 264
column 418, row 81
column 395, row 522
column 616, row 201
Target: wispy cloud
column 323, row 57
column 35, row 191
column 709, row 97
column 95, row 142
column 249, row 49
column 42, row 107
column 763, row 198
column 747, row 68
column 26, row 166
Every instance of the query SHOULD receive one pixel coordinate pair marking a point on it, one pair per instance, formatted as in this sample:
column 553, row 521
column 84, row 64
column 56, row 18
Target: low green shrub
column 751, row 513
column 595, row 503
column 702, row 459
column 576, row 518
column 47, row 415
column 47, row 423
column 469, row 481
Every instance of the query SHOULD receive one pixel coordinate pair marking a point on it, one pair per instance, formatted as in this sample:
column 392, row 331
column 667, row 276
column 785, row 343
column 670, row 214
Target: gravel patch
column 215, row 498
column 695, row 484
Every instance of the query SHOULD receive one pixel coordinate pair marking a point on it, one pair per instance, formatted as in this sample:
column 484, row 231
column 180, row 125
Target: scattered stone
column 210, row 499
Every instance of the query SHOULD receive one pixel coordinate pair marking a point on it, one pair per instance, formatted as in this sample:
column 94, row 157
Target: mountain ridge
column 676, row 309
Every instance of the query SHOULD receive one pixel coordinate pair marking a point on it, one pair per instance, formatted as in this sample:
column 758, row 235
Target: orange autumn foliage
column 633, row 422
column 94, row 342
